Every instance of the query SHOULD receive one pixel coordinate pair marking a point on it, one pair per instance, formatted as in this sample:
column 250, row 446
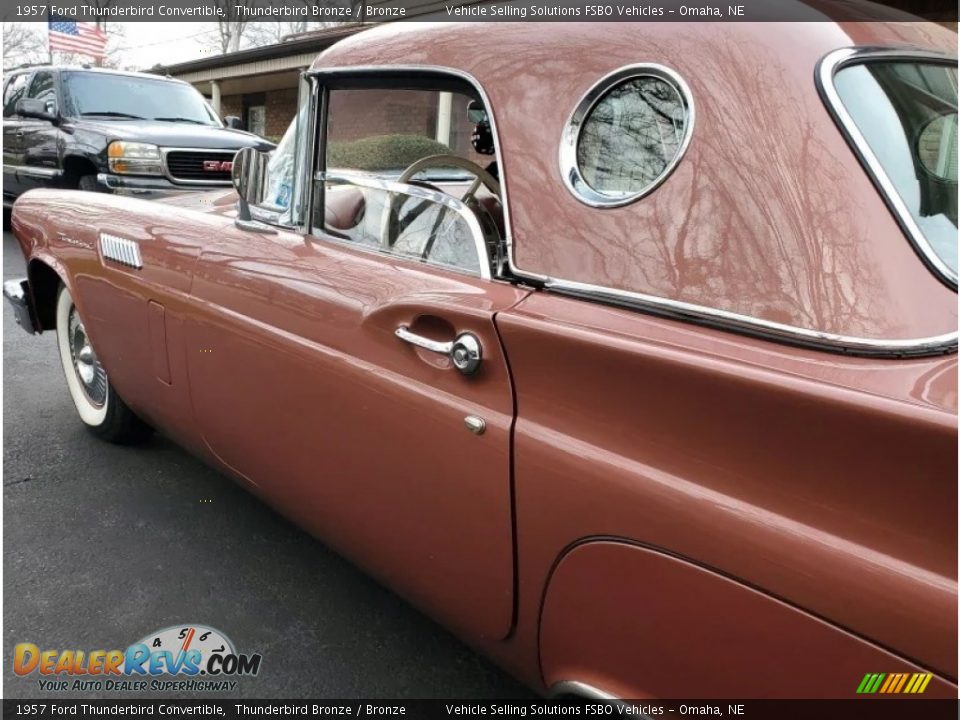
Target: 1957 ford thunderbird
column 628, row 352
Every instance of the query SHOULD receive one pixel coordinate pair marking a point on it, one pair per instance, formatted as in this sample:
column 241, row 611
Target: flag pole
column 49, row 50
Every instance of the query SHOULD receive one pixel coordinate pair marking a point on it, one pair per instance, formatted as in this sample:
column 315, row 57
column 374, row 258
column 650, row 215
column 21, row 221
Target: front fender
column 34, row 231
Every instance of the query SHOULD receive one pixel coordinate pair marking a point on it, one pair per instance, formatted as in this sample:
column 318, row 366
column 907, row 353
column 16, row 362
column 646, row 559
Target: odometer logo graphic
column 188, row 650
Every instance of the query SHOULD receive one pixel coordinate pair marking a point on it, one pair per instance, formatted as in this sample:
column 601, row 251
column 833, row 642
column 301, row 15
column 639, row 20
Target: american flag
column 77, row 37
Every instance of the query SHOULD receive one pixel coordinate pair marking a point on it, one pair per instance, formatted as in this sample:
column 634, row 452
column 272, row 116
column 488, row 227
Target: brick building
column 258, row 85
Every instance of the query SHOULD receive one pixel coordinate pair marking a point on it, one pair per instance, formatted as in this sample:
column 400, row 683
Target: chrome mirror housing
column 250, row 181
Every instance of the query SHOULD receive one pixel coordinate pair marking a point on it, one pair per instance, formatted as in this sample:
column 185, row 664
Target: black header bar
column 372, row 11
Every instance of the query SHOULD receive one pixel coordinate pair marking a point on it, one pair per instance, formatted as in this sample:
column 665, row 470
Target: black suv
column 112, row 131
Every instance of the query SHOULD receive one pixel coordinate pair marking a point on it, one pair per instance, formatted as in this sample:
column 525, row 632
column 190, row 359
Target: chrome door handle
column 464, row 352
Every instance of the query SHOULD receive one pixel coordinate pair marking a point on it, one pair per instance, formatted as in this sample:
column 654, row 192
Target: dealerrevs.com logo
column 178, row 658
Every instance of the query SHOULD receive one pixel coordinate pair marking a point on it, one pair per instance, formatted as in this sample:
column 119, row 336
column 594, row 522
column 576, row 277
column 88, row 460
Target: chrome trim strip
column 827, row 69
column 580, row 689
column 749, row 325
column 697, row 314
column 121, row 250
column 441, row 198
column 570, row 139
column 585, row 691
column 184, row 181
column 35, row 171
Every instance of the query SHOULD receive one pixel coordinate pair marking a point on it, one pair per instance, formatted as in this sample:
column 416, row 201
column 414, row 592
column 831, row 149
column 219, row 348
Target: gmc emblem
column 217, row 165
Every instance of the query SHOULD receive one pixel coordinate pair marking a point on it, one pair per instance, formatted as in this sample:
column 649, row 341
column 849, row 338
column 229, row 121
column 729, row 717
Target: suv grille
column 188, row 165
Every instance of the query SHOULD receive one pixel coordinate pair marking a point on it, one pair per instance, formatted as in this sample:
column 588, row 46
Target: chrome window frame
column 487, row 270
column 570, row 140
column 827, row 70
column 300, row 199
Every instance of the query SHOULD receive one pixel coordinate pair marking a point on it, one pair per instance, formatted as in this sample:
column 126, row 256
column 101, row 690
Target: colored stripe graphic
column 903, row 680
column 894, row 683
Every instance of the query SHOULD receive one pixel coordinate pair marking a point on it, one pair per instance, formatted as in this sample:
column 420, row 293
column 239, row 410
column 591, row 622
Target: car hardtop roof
column 766, row 218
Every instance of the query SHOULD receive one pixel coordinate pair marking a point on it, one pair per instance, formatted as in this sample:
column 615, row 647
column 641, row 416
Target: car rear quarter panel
column 636, row 623
column 827, row 481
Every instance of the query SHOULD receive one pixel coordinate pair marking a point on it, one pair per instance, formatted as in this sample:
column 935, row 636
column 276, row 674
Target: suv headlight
column 131, row 158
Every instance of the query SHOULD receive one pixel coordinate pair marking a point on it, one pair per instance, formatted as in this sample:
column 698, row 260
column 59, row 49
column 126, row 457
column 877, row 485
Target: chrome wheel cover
column 90, row 373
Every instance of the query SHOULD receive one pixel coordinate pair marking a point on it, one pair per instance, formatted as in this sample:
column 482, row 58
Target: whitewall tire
column 99, row 406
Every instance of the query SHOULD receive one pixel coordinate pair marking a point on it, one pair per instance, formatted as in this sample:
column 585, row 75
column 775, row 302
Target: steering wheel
column 447, row 161
column 481, row 177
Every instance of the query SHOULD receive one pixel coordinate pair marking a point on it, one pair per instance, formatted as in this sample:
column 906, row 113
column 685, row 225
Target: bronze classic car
column 627, row 352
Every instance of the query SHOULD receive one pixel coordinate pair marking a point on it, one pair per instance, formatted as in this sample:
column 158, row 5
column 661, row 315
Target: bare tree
column 269, row 33
column 23, row 43
column 231, row 33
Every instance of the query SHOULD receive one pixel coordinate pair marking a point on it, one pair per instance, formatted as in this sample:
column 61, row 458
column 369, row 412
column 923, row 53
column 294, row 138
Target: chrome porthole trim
column 570, row 140
column 827, row 70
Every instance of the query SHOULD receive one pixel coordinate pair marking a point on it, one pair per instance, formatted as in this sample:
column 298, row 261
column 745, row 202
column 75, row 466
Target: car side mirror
column 476, row 112
column 250, row 181
column 937, row 148
column 233, row 122
column 36, row 108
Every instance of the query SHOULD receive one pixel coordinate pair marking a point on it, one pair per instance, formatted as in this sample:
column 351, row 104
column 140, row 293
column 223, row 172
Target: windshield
column 907, row 112
column 280, row 169
column 125, row 97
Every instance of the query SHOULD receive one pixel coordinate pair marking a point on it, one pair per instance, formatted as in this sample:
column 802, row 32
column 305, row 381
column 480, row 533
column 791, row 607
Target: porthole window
column 626, row 135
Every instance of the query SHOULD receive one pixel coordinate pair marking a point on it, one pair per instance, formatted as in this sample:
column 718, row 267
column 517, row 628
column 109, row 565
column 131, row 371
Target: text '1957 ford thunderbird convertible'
column 636, row 368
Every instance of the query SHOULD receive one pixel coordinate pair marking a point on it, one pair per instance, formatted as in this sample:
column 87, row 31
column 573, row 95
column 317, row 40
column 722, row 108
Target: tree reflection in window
column 631, row 136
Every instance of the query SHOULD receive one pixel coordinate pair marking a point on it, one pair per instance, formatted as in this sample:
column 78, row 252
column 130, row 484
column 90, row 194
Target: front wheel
column 99, row 406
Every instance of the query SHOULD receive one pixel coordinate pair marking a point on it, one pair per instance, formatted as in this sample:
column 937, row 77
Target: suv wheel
column 90, row 184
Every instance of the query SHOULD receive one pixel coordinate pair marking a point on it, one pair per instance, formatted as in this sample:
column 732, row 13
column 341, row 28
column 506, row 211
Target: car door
column 315, row 376
column 13, row 91
column 38, row 138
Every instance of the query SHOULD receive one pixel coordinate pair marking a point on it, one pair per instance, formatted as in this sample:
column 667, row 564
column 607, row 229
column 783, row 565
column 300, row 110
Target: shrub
column 383, row 152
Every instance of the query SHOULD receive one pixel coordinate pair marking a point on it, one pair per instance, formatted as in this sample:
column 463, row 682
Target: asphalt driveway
column 104, row 545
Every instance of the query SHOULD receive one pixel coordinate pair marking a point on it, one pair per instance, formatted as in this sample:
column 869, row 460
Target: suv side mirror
column 233, row 122
column 35, row 108
column 250, row 181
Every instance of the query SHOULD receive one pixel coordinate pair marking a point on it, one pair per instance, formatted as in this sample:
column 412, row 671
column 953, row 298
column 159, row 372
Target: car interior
column 445, row 194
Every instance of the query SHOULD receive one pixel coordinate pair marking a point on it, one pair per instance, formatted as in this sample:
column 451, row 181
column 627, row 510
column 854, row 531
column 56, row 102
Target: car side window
column 42, row 88
column 12, row 94
column 404, row 174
